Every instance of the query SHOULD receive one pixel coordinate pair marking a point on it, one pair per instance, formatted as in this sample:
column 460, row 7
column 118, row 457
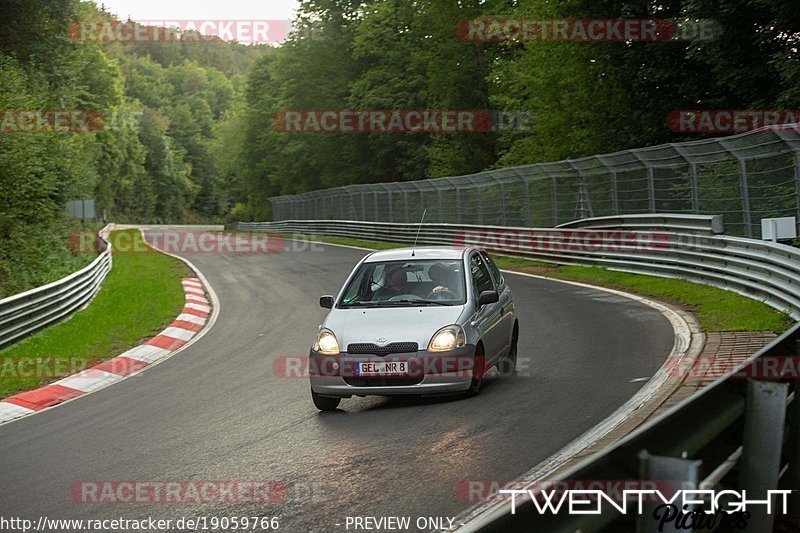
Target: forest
column 189, row 129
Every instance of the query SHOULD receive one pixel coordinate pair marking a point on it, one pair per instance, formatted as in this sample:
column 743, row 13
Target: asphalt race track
column 217, row 411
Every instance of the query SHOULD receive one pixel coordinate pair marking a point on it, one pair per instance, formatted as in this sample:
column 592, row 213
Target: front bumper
column 429, row 373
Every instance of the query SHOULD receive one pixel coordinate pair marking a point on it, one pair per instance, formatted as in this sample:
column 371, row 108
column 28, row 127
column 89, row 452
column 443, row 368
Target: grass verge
column 141, row 294
column 716, row 309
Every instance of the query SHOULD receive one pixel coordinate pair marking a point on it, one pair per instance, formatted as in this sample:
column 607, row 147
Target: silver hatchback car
column 425, row 320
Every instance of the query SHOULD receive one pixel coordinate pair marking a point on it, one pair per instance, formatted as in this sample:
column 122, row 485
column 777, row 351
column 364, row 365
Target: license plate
column 382, row 367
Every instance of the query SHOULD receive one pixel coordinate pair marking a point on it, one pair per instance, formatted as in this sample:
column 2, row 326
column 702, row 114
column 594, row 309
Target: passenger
column 396, row 283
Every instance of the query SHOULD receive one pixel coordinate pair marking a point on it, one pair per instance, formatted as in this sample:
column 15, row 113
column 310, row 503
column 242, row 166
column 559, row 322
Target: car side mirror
column 488, row 297
column 326, row 302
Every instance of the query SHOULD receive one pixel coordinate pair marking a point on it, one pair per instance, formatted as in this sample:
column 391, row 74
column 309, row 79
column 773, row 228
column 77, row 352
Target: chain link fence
column 745, row 177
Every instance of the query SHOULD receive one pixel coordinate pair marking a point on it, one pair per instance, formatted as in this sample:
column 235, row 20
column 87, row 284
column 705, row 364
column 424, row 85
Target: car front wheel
column 507, row 366
column 478, row 367
column 323, row 403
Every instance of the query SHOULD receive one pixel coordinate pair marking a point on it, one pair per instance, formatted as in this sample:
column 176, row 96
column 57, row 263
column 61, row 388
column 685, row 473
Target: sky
column 201, row 9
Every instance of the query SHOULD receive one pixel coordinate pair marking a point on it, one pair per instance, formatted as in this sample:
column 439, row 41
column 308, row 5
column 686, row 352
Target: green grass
column 141, row 294
column 715, row 309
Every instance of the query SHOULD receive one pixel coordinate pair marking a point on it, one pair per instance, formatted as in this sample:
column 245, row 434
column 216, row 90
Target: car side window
column 355, row 287
column 481, row 279
column 498, row 277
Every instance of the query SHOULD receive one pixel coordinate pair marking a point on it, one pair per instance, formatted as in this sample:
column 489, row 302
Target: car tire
column 507, row 366
column 324, row 403
column 479, row 363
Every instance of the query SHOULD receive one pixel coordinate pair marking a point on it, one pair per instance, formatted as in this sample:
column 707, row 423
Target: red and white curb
column 187, row 325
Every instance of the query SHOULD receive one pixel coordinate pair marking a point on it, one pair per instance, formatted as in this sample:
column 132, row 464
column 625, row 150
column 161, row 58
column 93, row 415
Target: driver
column 396, row 283
column 443, row 279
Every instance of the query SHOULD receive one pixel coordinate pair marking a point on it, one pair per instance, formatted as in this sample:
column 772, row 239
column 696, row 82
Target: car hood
column 396, row 324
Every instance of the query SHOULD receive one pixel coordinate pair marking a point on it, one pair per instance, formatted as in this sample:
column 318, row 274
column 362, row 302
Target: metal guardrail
column 671, row 222
column 761, row 270
column 27, row 312
column 746, row 177
column 736, row 434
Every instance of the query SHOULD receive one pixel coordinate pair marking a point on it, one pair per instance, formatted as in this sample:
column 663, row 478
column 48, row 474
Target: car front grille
column 368, row 348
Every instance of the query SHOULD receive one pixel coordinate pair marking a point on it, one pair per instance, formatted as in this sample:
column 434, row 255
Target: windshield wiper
column 417, row 302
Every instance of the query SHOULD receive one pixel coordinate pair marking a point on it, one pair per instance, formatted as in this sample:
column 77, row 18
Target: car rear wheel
column 323, row 403
column 478, row 368
column 507, row 366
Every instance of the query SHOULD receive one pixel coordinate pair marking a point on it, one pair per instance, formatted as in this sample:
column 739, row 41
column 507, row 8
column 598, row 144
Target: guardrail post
column 363, row 207
column 793, row 445
column 748, row 228
column 744, row 190
column 670, row 475
column 480, row 206
column 765, row 416
column 651, row 185
column 503, row 216
column 528, row 222
column 458, row 205
column 695, row 189
column 797, row 185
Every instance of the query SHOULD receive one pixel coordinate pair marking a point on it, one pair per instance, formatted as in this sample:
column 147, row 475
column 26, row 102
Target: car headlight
column 326, row 343
column 447, row 338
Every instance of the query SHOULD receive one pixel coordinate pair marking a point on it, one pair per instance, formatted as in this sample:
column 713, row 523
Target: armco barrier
column 761, row 270
column 740, row 433
column 27, row 312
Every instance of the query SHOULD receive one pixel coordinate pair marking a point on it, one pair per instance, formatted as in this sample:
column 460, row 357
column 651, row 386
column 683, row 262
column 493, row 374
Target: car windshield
column 406, row 283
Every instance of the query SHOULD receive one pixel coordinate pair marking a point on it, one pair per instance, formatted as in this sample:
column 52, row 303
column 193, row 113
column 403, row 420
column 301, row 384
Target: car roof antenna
column 419, row 228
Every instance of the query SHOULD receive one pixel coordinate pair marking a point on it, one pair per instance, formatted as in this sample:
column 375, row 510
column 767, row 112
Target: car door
column 487, row 317
column 506, row 303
